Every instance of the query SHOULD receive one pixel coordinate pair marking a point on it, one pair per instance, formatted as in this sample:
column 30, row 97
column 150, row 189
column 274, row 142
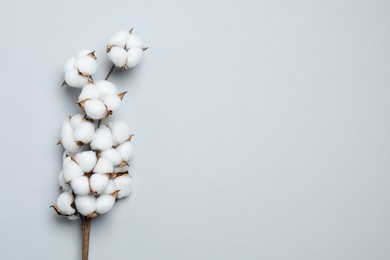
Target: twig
column 85, row 232
column 109, row 72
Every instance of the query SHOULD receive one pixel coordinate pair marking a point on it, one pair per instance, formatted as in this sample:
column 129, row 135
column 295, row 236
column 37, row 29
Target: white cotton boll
column 66, row 128
column 112, row 102
column 102, row 139
column 113, row 155
column 105, row 88
column 120, row 132
column 134, row 42
column 61, row 181
column 83, row 52
column 123, row 184
column 84, row 132
column 69, row 144
column 126, row 150
column 72, row 170
column 65, row 155
column 95, row 109
column 69, row 64
column 80, row 185
column 86, row 65
column 74, row 79
column 111, row 187
column 86, row 160
column 89, row 91
column 85, row 204
column 118, row 56
column 134, row 57
column 66, row 160
column 98, row 182
column 119, row 39
column 103, row 166
column 64, row 202
column 104, row 203
column 76, row 120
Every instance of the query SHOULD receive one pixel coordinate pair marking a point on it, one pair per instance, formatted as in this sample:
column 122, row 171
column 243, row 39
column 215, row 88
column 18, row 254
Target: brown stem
column 85, row 231
column 109, row 72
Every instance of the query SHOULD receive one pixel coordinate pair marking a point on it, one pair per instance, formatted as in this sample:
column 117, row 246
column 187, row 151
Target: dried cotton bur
column 95, row 170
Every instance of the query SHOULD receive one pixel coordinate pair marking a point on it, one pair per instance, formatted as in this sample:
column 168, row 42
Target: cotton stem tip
column 144, row 49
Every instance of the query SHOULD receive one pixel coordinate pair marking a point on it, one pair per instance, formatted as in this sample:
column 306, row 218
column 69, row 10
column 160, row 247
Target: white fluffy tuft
column 89, row 91
column 112, row 101
column 111, row 187
column 120, row 132
column 126, row 150
column 84, row 132
column 64, row 202
column 103, row 166
column 80, row 185
column 86, row 65
column 63, row 185
column 95, row 109
column 74, row 79
column 69, row 64
column 104, row 203
column 113, row 155
column 119, row 39
column 86, row 160
column 98, row 182
column 105, row 88
column 102, row 139
column 134, row 57
column 76, row 120
column 123, row 184
column 118, row 56
column 72, row 170
column 85, row 204
column 134, row 42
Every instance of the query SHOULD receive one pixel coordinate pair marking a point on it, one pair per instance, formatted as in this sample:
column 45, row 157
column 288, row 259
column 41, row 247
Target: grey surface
column 262, row 129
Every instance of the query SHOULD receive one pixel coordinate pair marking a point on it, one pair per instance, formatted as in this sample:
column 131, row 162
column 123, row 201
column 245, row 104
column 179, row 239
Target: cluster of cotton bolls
column 125, row 49
column 92, row 180
column 95, row 171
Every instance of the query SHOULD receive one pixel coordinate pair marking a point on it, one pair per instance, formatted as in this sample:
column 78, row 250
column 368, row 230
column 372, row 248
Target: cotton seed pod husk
column 86, row 160
column 71, row 171
column 112, row 102
column 89, row 91
column 123, row 184
column 104, row 203
column 113, row 155
column 134, row 42
column 118, row 56
column 119, row 39
column 85, row 52
column 120, row 132
column 105, row 88
column 85, row 205
column 134, row 57
column 74, row 79
column 126, row 150
column 84, row 132
column 80, row 185
column 95, row 109
column 121, row 169
column 102, row 139
column 86, row 65
column 63, row 185
column 103, row 166
column 76, row 120
column 69, row 64
column 64, row 203
column 98, row 182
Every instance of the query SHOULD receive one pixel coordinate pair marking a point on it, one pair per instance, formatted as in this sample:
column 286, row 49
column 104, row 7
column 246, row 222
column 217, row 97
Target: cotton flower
column 71, row 171
column 120, row 132
column 125, row 49
column 86, row 160
column 126, row 150
column 113, row 155
column 103, row 166
column 101, row 99
column 63, row 185
column 78, row 70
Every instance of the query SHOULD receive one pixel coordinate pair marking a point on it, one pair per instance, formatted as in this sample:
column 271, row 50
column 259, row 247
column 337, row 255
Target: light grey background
column 261, row 129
